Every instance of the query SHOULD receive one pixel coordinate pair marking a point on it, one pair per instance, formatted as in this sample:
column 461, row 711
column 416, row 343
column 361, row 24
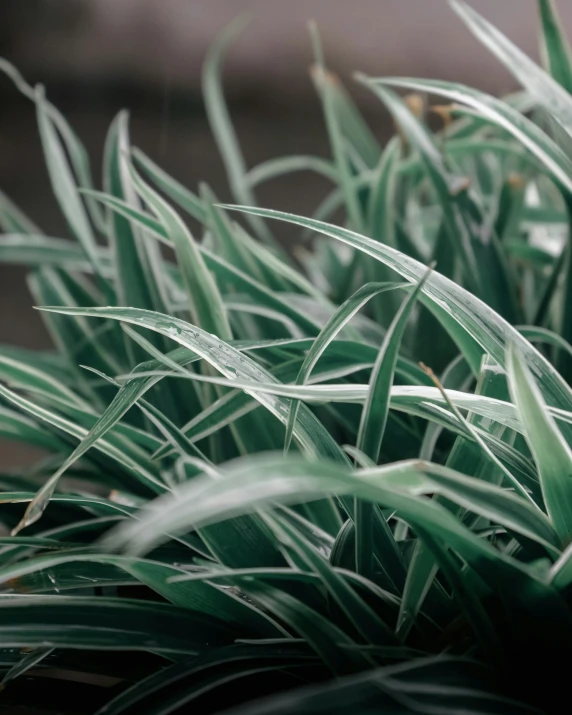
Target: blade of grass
column 552, row 455
column 75, row 149
column 275, row 168
column 557, row 163
column 136, row 260
column 364, row 619
column 63, row 183
column 483, row 265
column 14, row 220
column 373, row 420
column 472, row 324
column 178, row 193
column 554, row 45
column 247, row 487
column 551, row 93
column 39, row 503
column 324, row 82
column 38, row 250
column 232, row 364
column 26, row 663
column 198, row 596
column 206, row 303
column 329, row 332
column 224, row 271
column 107, row 624
column 221, row 124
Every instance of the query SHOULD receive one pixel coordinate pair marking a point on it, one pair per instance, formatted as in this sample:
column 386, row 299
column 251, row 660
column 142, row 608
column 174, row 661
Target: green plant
column 253, row 487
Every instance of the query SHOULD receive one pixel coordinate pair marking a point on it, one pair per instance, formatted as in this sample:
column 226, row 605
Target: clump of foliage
column 254, row 490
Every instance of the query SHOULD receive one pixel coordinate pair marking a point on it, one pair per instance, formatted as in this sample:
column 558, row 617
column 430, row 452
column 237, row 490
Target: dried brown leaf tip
column 322, row 76
column 515, row 181
column 16, row 585
column 459, row 184
column 429, row 372
column 416, row 104
column 445, row 112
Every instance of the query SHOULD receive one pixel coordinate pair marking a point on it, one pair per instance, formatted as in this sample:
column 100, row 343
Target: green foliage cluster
column 257, row 499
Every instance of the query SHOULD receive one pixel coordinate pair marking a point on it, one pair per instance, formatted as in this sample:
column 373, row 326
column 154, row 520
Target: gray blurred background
column 97, row 56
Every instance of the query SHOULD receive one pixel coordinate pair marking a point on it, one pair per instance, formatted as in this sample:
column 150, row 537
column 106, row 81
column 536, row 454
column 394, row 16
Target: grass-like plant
column 255, row 489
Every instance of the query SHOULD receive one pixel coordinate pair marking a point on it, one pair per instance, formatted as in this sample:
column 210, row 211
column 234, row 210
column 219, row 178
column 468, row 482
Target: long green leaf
column 63, row 183
column 554, row 44
column 104, row 623
column 38, row 250
column 76, row 151
column 197, row 596
column 137, row 261
column 364, row 618
column 471, row 323
column 484, row 268
column 496, row 112
column 178, row 193
column 333, row 327
column 310, row 432
column 206, row 304
column 274, row 168
column 553, row 456
column 39, row 503
column 221, row 124
column 376, row 407
column 14, row 220
column 548, row 92
column 324, row 82
column 373, row 421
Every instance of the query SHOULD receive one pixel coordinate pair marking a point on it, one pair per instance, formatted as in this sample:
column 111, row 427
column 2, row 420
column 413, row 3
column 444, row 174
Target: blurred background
column 98, row 56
